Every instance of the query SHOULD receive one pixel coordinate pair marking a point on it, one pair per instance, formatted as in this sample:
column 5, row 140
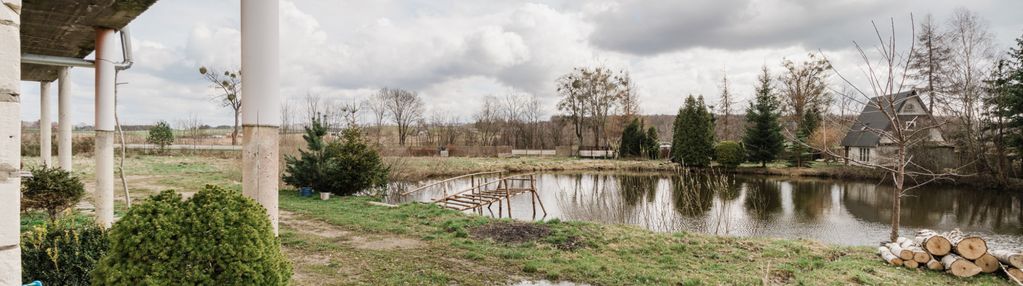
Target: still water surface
column 833, row 211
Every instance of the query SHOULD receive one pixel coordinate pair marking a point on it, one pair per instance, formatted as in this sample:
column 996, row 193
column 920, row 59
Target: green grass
column 611, row 254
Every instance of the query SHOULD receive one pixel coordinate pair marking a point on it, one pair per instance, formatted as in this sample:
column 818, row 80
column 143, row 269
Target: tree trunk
column 959, row 266
column 1011, row 258
column 933, row 243
column 234, row 134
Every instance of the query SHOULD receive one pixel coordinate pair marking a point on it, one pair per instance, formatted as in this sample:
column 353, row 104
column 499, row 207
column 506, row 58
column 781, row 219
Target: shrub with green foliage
column 653, row 144
column 160, row 135
column 800, row 155
column 218, row 237
column 636, row 143
column 342, row 167
column 693, row 141
column 62, row 252
column 52, row 190
column 730, row 154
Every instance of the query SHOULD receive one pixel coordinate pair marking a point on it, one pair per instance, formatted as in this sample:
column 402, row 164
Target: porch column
column 105, row 56
column 45, row 125
column 64, row 119
column 261, row 105
column 10, row 142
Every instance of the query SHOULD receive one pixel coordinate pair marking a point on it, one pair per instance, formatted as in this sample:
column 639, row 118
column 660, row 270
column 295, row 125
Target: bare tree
column 886, row 80
column 405, row 108
column 487, row 121
column 229, row 86
column 971, row 59
column 313, row 106
column 377, row 104
column 804, row 87
column 590, row 96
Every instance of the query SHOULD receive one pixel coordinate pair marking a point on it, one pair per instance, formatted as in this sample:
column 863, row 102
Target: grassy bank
column 423, row 244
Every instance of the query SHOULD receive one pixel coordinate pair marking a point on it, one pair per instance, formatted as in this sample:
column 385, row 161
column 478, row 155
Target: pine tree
column 807, row 125
column 763, row 139
column 930, row 58
column 310, row 166
column 693, row 141
column 633, row 140
column 1006, row 98
column 653, row 145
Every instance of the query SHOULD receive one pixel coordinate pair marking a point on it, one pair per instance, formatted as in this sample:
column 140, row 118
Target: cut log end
column 937, row 245
column 959, row 266
column 969, row 247
column 1011, row 258
column 935, row 265
column 921, row 256
column 987, row 263
column 1014, row 274
column 911, row 264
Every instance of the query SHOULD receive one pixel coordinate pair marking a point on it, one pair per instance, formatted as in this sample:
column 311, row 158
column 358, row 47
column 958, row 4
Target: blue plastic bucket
column 305, row 191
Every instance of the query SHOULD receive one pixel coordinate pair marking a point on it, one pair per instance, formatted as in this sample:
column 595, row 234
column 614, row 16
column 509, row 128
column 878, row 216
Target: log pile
column 953, row 252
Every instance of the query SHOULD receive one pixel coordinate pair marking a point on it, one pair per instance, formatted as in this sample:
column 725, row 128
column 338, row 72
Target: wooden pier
column 487, row 190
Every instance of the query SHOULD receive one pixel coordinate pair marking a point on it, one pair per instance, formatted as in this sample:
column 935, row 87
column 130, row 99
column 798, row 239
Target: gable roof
column 875, row 119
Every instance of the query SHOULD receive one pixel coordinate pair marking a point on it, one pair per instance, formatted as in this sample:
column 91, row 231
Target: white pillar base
column 260, row 168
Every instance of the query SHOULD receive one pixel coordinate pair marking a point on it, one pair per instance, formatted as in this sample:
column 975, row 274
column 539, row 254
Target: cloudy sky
column 456, row 52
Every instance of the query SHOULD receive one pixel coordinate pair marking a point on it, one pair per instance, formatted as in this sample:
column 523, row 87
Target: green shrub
column 52, row 190
column 160, row 135
column 217, row 237
column 636, row 143
column 343, row 167
column 62, row 252
column 729, row 154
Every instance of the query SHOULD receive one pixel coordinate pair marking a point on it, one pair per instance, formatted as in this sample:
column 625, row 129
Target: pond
column 833, row 211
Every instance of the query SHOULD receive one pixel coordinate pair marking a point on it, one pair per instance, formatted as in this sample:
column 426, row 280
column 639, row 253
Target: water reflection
column 842, row 212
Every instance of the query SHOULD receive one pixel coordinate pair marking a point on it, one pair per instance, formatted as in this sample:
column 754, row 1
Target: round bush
column 730, row 154
column 217, row 237
column 52, row 190
column 62, row 252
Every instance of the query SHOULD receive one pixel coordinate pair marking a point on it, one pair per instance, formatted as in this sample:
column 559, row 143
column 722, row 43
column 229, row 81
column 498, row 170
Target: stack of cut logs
column 959, row 254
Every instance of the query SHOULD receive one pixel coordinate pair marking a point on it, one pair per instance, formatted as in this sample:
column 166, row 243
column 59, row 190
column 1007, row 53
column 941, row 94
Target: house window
column 864, row 154
column 910, row 125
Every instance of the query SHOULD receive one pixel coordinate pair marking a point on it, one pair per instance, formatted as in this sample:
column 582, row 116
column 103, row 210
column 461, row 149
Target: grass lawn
column 440, row 247
column 347, row 241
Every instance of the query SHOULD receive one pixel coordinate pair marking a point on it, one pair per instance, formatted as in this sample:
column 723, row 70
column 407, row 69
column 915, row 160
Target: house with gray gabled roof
column 864, row 142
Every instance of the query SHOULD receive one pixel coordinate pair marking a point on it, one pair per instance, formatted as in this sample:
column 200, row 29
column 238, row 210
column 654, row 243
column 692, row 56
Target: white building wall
column 10, row 142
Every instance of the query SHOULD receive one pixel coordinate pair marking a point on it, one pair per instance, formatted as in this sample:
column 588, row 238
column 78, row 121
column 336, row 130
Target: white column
column 105, row 56
column 10, row 142
column 64, row 118
column 45, row 124
column 261, row 105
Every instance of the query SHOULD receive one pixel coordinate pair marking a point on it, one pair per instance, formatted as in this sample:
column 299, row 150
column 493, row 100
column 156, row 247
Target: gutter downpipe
column 84, row 63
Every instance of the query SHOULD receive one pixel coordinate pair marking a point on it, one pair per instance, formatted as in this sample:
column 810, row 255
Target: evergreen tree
column 763, row 139
column 653, row 144
column 633, row 140
column 1006, row 98
column 799, row 152
column 693, row 141
column 310, row 166
column 160, row 135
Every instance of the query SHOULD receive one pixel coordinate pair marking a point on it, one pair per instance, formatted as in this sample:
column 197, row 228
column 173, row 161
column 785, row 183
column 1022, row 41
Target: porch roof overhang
column 68, row 29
